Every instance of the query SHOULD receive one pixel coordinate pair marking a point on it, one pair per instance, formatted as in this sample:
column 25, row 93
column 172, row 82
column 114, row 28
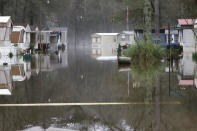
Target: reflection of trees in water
column 148, row 75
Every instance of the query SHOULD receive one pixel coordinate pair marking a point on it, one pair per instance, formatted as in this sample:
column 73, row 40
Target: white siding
column 2, row 33
column 188, row 38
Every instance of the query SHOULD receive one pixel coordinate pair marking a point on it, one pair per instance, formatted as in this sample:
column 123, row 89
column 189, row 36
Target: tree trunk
column 157, row 12
column 147, row 20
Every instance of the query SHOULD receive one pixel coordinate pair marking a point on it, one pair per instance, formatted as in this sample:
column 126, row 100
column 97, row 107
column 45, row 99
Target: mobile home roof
column 18, row 28
column 186, row 21
column 107, row 33
column 4, row 19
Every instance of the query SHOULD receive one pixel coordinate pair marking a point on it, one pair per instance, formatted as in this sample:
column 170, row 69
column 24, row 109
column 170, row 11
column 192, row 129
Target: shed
column 27, row 35
column 18, row 34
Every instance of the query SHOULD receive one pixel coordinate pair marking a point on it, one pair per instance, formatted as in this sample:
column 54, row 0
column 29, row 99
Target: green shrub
column 15, row 45
column 145, row 51
column 175, row 52
column 31, row 47
column 10, row 55
column 194, row 57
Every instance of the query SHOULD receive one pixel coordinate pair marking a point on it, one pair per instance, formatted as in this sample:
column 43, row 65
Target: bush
column 145, row 51
column 15, row 45
column 194, row 57
column 31, row 47
column 11, row 55
column 175, row 52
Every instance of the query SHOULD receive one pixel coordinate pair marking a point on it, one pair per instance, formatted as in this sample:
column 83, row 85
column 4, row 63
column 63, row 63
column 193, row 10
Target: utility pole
column 40, row 24
column 127, row 18
column 169, row 41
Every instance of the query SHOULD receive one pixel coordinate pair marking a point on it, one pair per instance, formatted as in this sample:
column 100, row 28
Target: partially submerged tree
column 156, row 18
column 147, row 20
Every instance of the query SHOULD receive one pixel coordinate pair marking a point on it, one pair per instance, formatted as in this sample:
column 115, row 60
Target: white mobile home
column 174, row 35
column 187, row 34
column 5, row 36
column 104, row 44
column 34, row 36
column 44, row 39
column 126, row 38
column 62, row 34
column 5, row 31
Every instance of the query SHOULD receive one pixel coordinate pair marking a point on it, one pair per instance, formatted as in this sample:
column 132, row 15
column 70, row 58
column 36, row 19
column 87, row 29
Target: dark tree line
column 97, row 15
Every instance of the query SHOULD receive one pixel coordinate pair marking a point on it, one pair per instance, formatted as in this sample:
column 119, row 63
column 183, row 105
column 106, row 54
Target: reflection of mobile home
column 104, row 44
column 187, row 69
column 49, row 62
column 20, row 70
column 187, row 65
column 5, row 81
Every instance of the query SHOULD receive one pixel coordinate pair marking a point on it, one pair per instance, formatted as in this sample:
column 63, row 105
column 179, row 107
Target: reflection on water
column 88, row 80
column 5, row 81
column 19, row 69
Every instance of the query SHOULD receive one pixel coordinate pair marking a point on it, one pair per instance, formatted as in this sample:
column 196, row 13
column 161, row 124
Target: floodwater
column 152, row 101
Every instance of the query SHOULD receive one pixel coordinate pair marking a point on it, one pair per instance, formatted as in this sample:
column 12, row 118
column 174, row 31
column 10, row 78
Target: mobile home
column 5, row 36
column 104, row 44
column 44, row 40
column 62, row 35
column 126, row 38
column 34, row 37
column 187, row 34
column 5, row 31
